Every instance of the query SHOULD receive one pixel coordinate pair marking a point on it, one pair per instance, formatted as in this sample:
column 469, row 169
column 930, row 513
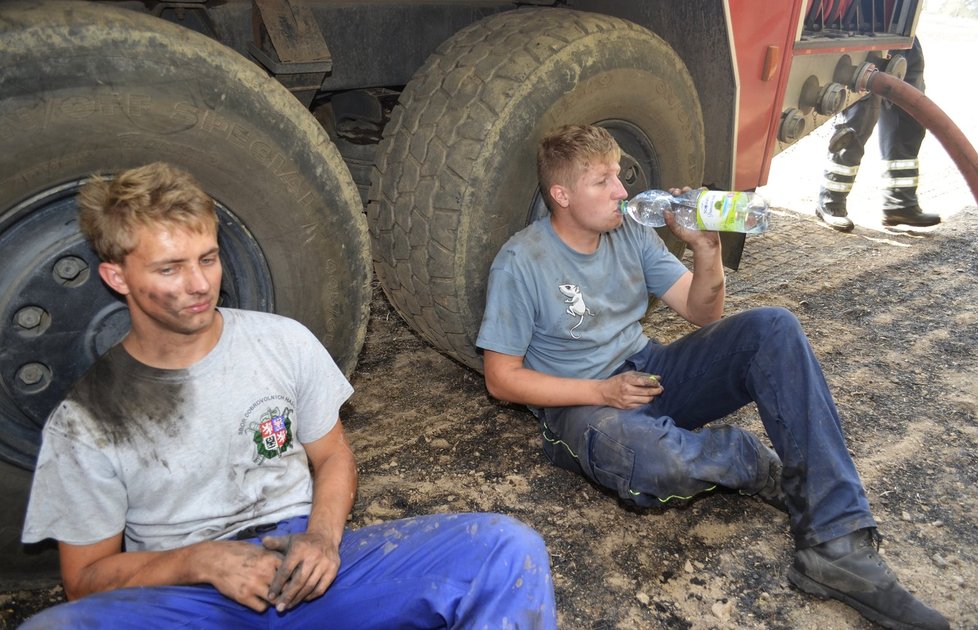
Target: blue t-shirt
column 573, row 314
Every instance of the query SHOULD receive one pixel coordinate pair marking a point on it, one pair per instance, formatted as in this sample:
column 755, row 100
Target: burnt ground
column 893, row 319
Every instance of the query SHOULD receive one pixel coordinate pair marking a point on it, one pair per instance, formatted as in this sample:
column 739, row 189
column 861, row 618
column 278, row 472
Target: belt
column 254, row 531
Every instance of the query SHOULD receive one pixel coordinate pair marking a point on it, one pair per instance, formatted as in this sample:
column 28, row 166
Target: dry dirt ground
column 892, row 316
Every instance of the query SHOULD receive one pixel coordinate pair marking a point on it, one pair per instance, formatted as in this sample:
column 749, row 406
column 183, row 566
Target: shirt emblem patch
column 273, row 436
column 577, row 308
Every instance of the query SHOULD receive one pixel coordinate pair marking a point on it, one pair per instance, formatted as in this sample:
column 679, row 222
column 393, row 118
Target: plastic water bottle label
column 716, row 210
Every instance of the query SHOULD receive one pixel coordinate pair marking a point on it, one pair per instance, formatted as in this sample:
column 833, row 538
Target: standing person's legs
column 900, row 137
column 439, row 571
column 843, row 162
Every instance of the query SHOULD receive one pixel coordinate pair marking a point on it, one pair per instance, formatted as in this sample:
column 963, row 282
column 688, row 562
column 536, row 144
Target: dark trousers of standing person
column 900, row 137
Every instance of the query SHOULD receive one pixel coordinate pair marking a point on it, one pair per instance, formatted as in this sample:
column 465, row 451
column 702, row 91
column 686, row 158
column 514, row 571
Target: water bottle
column 701, row 209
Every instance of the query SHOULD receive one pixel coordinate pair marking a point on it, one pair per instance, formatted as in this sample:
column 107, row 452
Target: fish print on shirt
column 577, row 306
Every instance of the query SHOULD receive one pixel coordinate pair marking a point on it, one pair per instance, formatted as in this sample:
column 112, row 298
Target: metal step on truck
column 347, row 139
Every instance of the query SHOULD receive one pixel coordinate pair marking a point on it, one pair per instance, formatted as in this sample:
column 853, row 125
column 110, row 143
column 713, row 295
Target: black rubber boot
column 771, row 492
column 845, row 152
column 912, row 216
column 850, row 570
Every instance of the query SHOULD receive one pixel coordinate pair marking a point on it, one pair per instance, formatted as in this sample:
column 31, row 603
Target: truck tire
column 456, row 170
column 88, row 88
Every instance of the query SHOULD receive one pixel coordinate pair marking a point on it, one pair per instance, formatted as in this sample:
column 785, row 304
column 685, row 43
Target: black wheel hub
column 639, row 161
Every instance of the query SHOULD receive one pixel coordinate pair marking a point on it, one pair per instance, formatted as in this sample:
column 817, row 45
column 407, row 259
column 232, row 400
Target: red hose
column 924, row 111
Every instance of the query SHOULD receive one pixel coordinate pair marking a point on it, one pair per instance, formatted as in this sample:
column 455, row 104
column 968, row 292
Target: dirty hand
column 241, row 571
column 693, row 238
column 309, row 567
column 629, row 390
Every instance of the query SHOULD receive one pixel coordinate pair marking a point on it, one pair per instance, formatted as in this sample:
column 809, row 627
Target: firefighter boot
column 913, row 216
column 836, row 184
column 850, row 570
column 900, row 207
column 838, row 219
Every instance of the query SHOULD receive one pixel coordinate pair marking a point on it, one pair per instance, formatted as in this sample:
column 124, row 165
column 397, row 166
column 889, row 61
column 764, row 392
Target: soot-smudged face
column 172, row 279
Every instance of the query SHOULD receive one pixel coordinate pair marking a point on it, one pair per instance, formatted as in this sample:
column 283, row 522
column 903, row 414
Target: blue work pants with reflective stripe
column 440, row 571
column 663, row 450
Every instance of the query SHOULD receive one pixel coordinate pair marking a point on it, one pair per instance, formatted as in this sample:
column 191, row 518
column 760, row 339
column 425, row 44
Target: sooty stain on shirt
column 127, row 408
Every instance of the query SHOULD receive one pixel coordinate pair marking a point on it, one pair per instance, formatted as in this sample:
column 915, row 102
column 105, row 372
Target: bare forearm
column 528, row 387
column 334, row 491
column 136, row 568
column 704, row 303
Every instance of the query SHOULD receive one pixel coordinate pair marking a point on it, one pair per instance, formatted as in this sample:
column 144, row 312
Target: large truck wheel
column 87, row 88
column 456, row 174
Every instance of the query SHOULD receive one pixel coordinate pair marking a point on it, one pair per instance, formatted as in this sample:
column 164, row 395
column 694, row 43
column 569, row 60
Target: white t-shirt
column 173, row 457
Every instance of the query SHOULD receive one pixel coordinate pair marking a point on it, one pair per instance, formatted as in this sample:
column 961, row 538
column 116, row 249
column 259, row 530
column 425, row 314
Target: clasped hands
column 282, row 572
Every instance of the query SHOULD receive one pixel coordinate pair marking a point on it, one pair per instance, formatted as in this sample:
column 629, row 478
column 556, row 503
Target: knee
column 778, row 321
column 514, row 534
column 60, row 616
column 513, row 552
column 670, row 479
column 775, row 314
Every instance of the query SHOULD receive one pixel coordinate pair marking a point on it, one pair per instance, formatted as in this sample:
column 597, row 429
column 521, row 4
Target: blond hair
column 566, row 152
column 110, row 211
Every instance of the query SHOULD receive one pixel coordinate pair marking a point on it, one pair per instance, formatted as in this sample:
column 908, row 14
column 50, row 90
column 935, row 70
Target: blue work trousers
column 663, row 450
column 440, row 571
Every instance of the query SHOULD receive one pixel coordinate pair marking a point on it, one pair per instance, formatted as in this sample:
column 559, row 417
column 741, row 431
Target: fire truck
column 346, row 140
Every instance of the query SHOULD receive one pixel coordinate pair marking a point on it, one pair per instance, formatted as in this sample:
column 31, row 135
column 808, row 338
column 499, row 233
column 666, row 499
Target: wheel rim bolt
column 31, row 373
column 29, row 317
column 69, row 267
